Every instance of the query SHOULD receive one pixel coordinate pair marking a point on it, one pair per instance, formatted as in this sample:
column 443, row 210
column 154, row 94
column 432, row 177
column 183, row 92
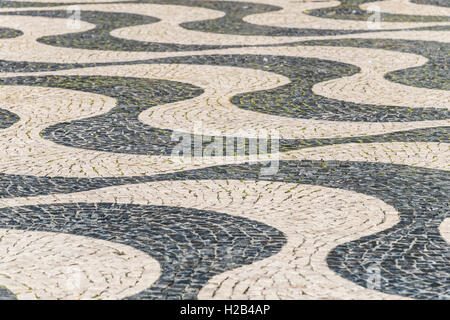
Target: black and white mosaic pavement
column 433, row 2
column 350, row 9
column 9, row 33
column 7, row 119
column 355, row 205
column 431, row 75
column 190, row 245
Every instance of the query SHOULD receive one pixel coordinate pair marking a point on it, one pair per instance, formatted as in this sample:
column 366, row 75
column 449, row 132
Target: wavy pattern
column 117, row 130
column 6, row 294
column 300, row 227
column 48, row 3
column 433, row 74
column 40, row 265
column 444, row 229
column 385, row 181
column 158, row 26
column 236, row 13
column 175, row 237
column 118, row 138
column 349, row 199
column 100, row 38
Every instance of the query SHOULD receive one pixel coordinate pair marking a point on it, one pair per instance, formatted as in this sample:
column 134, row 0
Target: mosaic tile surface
column 214, row 149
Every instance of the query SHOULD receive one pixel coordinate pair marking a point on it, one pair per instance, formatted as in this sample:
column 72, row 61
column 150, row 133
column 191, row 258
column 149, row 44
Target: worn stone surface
column 96, row 204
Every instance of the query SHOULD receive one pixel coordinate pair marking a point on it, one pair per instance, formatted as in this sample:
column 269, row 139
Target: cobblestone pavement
column 208, row 149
